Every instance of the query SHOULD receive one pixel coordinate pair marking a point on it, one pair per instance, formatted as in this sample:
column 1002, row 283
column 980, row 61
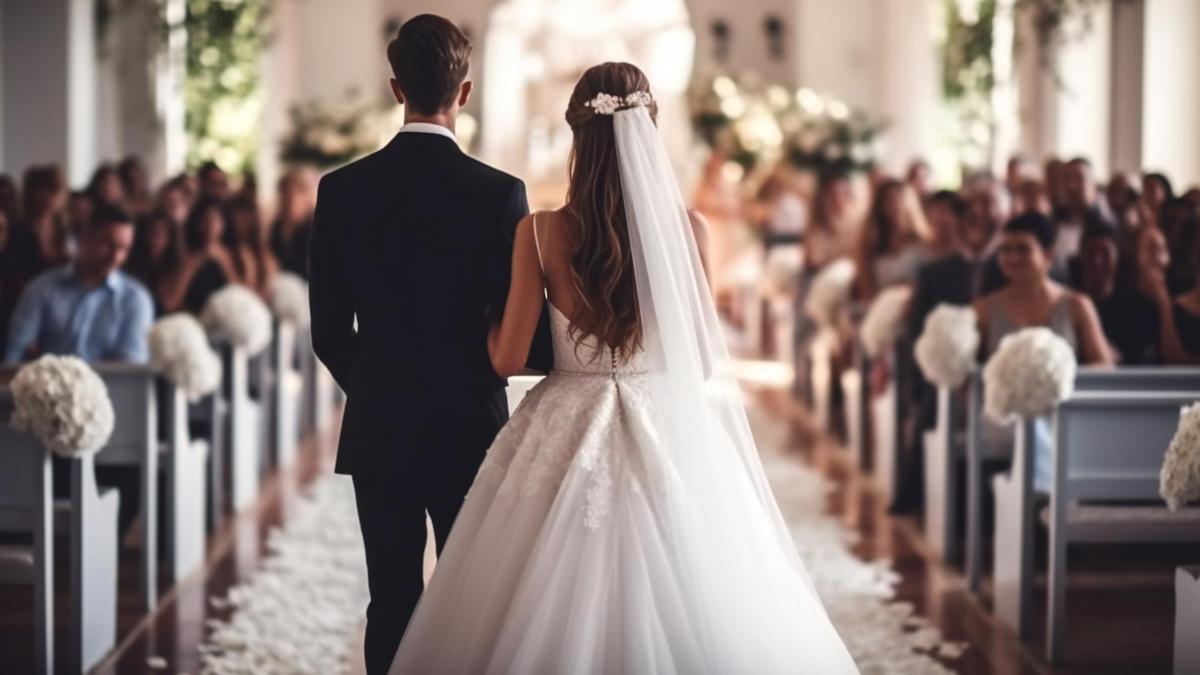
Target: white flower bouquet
column 948, row 346
column 884, row 320
column 289, row 298
column 64, row 404
column 830, row 291
column 179, row 350
column 781, row 272
column 1031, row 372
column 235, row 313
column 1179, row 481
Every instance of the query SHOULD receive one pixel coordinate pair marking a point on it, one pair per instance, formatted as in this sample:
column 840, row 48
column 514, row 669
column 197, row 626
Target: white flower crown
column 607, row 104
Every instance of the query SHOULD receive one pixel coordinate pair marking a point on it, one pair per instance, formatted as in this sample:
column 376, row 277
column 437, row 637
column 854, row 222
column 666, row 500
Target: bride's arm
column 700, row 233
column 508, row 344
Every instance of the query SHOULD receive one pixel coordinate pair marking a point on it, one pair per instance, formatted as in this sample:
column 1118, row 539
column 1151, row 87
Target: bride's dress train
column 574, row 554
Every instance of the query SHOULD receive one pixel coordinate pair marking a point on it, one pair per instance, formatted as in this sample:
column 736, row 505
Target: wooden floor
column 1120, row 606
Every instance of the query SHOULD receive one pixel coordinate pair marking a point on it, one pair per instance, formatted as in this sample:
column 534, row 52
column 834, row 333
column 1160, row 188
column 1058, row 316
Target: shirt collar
column 427, row 128
column 112, row 281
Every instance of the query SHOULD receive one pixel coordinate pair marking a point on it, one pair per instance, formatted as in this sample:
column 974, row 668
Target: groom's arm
column 329, row 296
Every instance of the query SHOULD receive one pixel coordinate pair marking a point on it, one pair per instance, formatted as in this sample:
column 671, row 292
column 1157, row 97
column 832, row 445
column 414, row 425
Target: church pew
column 1129, row 379
column 1187, row 617
column 210, row 414
column 287, row 394
column 93, row 544
column 243, row 427
column 186, row 498
column 27, row 507
column 1109, row 448
column 134, row 444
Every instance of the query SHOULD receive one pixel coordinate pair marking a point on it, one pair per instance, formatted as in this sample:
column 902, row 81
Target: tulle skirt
column 574, row 553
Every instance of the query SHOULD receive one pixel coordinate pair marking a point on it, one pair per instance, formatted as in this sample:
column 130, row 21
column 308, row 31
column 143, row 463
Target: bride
column 621, row 522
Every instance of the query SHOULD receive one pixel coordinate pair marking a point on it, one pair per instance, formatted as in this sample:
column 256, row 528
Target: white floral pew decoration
column 63, row 403
column 180, row 350
column 830, row 291
column 1032, row 371
column 235, row 313
column 947, row 348
column 884, row 321
column 1180, row 478
column 289, row 299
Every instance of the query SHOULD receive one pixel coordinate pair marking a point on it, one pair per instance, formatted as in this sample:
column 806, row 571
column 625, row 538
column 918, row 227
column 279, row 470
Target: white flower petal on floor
column 300, row 612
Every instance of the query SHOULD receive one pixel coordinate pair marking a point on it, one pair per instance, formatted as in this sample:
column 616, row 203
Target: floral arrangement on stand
column 328, row 135
column 1032, row 371
column 236, row 313
column 884, row 321
column 753, row 125
column 289, row 299
column 829, row 292
column 947, row 348
column 179, row 350
column 1179, row 482
column 64, row 404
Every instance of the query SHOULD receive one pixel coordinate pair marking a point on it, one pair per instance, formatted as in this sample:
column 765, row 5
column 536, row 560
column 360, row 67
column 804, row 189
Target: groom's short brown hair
column 430, row 58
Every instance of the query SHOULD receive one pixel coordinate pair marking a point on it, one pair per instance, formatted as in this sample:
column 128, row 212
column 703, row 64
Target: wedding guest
column 889, row 249
column 292, row 226
column 78, row 212
column 1156, row 191
column 156, row 254
column 136, row 185
column 1180, row 224
column 1121, row 194
column 1081, row 204
column 249, row 187
column 1031, row 196
column 174, row 201
column 16, row 248
column 87, row 308
column 1032, row 298
column 831, row 234
column 919, row 179
column 1193, row 196
column 207, row 265
column 779, row 211
column 1185, row 347
column 10, row 199
column 1154, row 258
column 243, row 237
column 944, row 211
column 1018, row 170
column 1128, row 317
column 106, row 187
column 44, row 199
column 213, row 182
column 1053, row 180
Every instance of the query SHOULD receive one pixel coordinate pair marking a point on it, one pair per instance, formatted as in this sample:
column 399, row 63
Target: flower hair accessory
column 607, row 104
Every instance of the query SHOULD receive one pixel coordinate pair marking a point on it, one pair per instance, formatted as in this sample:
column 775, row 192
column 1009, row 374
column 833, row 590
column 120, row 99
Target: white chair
column 134, row 444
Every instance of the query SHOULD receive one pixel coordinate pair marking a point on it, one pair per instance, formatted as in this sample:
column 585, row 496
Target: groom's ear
column 396, row 91
column 464, row 93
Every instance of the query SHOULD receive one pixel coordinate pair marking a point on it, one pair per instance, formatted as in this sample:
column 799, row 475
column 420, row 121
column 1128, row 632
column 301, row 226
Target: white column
column 1170, row 134
column 49, row 85
column 907, row 78
column 1128, row 83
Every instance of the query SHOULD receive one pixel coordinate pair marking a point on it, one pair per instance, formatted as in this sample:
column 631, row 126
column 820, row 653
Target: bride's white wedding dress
column 621, row 522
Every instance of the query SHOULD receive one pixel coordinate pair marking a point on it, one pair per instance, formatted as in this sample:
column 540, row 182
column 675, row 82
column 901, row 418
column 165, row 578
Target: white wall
column 34, row 43
column 1171, row 125
column 1084, row 105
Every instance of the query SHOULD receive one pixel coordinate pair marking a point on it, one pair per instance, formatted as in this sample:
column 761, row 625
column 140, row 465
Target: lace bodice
column 583, row 359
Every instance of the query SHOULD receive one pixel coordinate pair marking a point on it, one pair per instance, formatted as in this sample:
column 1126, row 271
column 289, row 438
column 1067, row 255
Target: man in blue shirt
column 87, row 308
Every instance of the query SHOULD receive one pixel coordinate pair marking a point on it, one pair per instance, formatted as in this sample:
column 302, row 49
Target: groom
column 415, row 241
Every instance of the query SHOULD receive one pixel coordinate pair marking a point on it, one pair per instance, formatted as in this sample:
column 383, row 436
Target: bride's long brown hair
column 601, row 260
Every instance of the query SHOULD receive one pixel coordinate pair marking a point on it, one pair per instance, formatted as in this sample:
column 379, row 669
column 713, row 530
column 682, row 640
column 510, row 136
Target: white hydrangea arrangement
column 179, row 350
column 1032, row 371
column 781, row 272
column 64, row 404
column 884, row 320
column 948, row 345
column 830, row 291
column 235, row 313
column 1179, row 480
column 289, row 298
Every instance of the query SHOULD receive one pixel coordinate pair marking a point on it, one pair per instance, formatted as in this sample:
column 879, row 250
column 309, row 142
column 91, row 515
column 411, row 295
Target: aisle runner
column 301, row 612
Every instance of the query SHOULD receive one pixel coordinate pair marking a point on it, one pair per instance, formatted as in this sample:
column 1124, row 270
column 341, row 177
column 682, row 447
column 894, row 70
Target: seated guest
column 45, row 195
column 292, row 226
column 1193, row 197
column 1179, row 317
column 10, row 200
column 174, row 201
column 944, row 210
column 1156, row 191
column 889, row 248
column 1032, row 298
column 156, row 254
column 17, row 250
column 243, row 237
column 1082, row 204
column 919, row 179
column 79, row 212
column 87, row 308
column 135, row 185
column 1031, row 196
column 1129, row 317
column 207, row 265
column 1018, row 170
column 213, row 182
column 1180, row 223
column 106, row 187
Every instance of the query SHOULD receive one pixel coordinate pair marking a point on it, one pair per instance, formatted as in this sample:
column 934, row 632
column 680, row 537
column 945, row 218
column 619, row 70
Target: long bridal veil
column 722, row 518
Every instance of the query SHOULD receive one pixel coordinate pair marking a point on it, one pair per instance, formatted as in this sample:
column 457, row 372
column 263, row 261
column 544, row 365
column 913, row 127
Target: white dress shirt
column 427, row 128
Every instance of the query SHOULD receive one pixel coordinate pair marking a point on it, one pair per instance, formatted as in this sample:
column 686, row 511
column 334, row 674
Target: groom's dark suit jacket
column 415, row 241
